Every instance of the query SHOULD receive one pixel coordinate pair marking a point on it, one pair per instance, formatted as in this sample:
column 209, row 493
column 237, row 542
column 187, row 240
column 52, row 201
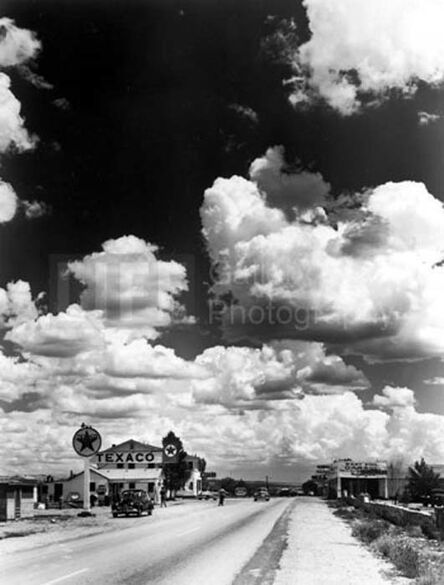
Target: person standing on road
column 163, row 503
column 221, row 497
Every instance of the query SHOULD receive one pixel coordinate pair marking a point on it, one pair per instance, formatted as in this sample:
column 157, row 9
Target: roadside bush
column 403, row 552
column 370, row 530
column 348, row 513
column 432, row 572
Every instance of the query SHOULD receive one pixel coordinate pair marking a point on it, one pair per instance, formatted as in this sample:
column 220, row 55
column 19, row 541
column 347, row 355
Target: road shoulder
column 322, row 551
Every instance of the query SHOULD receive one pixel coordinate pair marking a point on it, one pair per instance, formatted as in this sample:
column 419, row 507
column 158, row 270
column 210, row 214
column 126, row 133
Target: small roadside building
column 348, row 477
column 69, row 490
column 18, row 497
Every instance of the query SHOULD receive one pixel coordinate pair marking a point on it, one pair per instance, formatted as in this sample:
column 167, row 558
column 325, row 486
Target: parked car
column 208, row 495
column 261, row 494
column 284, row 493
column 133, row 502
column 73, row 500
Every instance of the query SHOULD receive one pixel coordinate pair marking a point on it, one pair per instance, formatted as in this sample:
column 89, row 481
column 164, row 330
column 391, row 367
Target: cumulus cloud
column 17, row 45
column 16, row 377
column 140, row 359
column 16, row 304
column 371, row 278
column 285, row 188
column 12, row 129
column 244, row 377
column 359, row 51
column 394, row 398
column 317, row 429
column 8, row 202
column 64, row 335
column 135, row 290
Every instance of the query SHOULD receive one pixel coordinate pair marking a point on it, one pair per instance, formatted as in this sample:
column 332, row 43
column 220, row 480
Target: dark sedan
column 133, row 502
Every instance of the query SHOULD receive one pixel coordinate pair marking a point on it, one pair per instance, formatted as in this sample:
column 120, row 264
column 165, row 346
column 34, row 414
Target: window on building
column 151, row 465
column 27, row 491
column 120, row 466
column 92, row 486
column 131, row 465
column 190, row 485
column 132, row 485
column 190, row 465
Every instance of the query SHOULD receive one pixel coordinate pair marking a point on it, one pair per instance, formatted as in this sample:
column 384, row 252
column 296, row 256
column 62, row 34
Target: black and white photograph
column 222, row 292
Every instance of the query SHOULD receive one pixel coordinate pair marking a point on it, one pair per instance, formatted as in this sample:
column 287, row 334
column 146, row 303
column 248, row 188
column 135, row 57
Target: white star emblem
column 170, row 450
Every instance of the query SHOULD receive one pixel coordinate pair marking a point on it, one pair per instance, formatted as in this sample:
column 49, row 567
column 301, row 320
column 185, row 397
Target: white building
column 131, row 465
column 356, row 477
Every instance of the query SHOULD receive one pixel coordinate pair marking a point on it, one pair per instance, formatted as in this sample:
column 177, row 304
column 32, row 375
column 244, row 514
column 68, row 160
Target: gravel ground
column 322, row 551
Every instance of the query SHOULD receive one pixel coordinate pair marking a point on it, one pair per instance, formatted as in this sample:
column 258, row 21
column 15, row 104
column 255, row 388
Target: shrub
column 370, row 530
column 403, row 552
column 348, row 513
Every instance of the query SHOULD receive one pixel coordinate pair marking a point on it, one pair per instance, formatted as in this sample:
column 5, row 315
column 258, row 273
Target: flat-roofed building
column 348, row 477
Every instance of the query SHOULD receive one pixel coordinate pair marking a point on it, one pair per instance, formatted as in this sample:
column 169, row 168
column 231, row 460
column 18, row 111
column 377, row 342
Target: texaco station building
column 129, row 465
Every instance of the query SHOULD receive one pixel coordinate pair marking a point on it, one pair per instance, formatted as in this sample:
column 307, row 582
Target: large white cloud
column 293, row 433
column 373, row 279
column 140, row 359
column 64, row 335
column 361, row 50
column 135, row 290
column 248, row 378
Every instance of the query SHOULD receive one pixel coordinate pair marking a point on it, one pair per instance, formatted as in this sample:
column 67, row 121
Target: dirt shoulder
column 321, row 551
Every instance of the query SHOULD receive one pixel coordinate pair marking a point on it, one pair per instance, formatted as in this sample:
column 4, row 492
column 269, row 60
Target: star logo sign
column 170, row 450
column 86, row 442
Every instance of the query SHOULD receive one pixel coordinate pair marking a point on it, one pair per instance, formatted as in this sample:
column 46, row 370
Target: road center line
column 65, row 577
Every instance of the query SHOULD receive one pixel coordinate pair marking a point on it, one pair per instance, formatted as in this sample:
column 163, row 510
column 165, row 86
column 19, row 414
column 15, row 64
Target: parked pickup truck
column 133, row 502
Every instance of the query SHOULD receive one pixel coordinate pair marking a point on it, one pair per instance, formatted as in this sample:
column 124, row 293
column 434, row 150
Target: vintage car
column 261, row 494
column 133, row 502
column 207, row 495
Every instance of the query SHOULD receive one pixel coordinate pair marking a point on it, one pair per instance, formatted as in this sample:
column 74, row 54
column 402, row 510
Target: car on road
column 208, row 495
column 284, row 493
column 261, row 494
column 133, row 502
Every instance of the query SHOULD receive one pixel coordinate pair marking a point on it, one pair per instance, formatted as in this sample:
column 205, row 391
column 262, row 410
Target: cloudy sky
column 225, row 219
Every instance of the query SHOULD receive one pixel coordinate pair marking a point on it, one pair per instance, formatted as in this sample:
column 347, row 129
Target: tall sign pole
column 86, row 443
column 86, row 484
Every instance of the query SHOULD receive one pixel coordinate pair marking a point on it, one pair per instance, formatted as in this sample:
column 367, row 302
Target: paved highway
column 197, row 543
